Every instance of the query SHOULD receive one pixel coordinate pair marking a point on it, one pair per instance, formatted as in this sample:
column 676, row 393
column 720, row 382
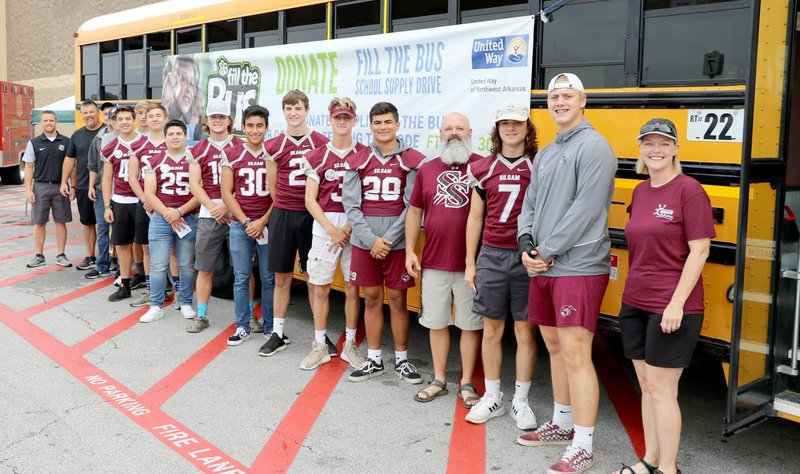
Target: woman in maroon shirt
column 669, row 235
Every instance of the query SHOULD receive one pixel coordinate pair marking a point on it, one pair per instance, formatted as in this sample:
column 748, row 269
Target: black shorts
column 642, row 338
column 85, row 207
column 124, row 226
column 289, row 233
column 142, row 225
column 502, row 285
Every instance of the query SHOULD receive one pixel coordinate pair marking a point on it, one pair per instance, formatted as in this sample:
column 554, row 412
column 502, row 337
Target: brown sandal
column 430, row 396
column 470, row 400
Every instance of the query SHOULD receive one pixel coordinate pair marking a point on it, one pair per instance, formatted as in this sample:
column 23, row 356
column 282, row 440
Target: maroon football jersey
column 383, row 181
column 442, row 192
column 147, row 152
column 325, row 165
column 172, row 178
column 208, row 155
column 288, row 154
column 116, row 153
column 505, row 184
column 250, row 186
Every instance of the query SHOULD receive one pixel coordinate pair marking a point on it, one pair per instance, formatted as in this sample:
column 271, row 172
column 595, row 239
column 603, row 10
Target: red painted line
column 196, row 450
column 621, row 393
column 29, row 275
column 467, row 452
column 168, row 386
column 16, row 224
column 10, row 214
column 109, row 332
column 22, row 253
column 58, row 301
column 16, row 237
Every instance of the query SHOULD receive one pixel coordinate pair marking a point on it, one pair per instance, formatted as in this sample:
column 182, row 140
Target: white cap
column 512, row 111
column 566, row 80
column 218, row 107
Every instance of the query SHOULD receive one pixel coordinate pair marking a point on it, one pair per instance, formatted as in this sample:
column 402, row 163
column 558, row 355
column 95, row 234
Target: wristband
column 247, row 222
column 108, row 206
column 180, row 211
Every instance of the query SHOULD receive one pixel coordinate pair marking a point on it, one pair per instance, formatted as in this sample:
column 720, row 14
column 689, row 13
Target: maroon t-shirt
column 116, row 153
column 442, row 192
column 505, row 184
column 383, row 180
column 147, row 151
column 172, row 178
column 288, row 154
column 250, row 186
column 209, row 156
column 325, row 165
column 662, row 222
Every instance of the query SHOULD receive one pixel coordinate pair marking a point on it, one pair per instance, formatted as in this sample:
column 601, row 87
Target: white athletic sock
column 492, row 387
column 562, row 416
column 277, row 326
column 319, row 336
column 350, row 334
column 400, row 356
column 583, row 437
column 375, row 355
column 521, row 390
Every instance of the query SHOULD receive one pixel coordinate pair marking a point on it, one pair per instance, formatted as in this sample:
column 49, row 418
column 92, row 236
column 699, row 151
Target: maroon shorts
column 566, row 301
column 367, row 271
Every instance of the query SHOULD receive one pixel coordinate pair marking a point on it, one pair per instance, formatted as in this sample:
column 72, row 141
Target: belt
column 49, row 182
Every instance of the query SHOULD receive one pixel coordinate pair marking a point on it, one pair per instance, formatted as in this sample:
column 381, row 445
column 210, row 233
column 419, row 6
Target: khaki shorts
column 320, row 272
column 440, row 289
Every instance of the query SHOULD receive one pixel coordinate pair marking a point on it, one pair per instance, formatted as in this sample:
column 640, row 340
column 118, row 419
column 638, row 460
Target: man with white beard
column 442, row 193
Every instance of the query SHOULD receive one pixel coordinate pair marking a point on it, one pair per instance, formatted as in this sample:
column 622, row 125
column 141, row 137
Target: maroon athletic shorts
column 367, row 271
column 566, row 301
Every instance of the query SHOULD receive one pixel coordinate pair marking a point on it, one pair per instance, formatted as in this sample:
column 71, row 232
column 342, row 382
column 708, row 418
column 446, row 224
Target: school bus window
column 476, row 10
column 222, row 35
column 133, row 50
column 418, row 14
column 189, row 40
column 676, row 40
column 599, row 27
column 111, row 73
column 158, row 47
column 261, row 30
column 357, row 18
column 306, row 24
column 90, row 72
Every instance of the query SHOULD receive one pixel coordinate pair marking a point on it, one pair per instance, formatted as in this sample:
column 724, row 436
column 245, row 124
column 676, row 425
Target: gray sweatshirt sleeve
column 525, row 219
column 396, row 233
column 597, row 168
column 94, row 154
column 351, row 200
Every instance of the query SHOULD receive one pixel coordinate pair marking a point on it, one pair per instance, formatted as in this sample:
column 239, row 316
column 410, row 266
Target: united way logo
column 452, row 190
column 500, row 51
column 567, row 310
column 517, row 50
column 663, row 212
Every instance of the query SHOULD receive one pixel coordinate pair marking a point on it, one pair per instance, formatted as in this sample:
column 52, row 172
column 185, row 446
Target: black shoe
column 86, row 264
column 114, row 266
column 274, row 344
column 168, row 288
column 367, row 370
column 332, row 351
column 138, row 281
column 95, row 273
column 120, row 294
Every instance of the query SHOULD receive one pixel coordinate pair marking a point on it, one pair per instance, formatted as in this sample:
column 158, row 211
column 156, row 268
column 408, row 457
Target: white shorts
column 320, row 272
column 440, row 289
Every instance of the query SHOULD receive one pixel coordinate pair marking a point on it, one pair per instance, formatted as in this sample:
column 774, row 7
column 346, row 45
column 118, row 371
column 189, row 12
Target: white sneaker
column 522, row 413
column 187, row 311
column 489, row 406
column 153, row 314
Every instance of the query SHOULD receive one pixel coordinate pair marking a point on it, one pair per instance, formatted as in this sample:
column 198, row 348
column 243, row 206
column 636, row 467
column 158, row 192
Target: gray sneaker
column 142, row 300
column 176, row 300
column 255, row 325
column 350, row 354
column 36, row 261
column 197, row 325
column 318, row 356
column 62, row 260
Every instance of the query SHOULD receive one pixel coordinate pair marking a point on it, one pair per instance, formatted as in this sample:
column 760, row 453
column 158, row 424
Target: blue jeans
column 103, row 261
column 162, row 238
column 242, row 246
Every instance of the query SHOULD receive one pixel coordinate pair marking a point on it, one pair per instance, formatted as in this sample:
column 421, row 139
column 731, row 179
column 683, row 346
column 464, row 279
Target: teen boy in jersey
column 377, row 186
column 324, row 167
column 291, row 220
column 174, row 210
column 119, row 209
column 246, row 194
column 564, row 244
column 212, row 225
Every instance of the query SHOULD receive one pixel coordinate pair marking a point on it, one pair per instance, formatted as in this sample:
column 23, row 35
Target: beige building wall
column 3, row 48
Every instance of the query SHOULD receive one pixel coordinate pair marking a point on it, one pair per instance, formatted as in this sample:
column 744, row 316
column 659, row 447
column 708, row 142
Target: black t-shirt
column 79, row 148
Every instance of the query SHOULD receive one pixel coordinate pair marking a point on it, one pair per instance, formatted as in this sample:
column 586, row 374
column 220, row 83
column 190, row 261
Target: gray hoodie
column 565, row 208
column 366, row 229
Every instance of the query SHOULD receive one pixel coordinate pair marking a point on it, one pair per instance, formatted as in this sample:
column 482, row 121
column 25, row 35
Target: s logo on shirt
column 452, row 189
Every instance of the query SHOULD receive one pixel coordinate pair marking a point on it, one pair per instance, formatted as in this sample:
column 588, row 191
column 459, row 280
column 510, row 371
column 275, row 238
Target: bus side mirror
column 712, row 64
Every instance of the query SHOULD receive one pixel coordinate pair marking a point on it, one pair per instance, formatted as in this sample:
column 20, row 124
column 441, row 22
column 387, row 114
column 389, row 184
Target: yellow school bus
column 724, row 71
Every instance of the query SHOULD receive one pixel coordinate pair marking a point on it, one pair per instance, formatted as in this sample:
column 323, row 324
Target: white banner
column 425, row 73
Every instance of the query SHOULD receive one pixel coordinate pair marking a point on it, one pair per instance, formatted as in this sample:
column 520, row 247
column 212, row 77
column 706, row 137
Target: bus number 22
column 713, row 121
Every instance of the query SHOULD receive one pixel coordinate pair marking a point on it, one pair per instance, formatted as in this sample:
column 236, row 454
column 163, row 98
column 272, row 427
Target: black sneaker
column 138, row 281
column 406, row 371
column 367, row 370
column 95, row 273
column 332, row 351
column 274, row 344
column 86, row 264
column 120, row 294
column 114, row 266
